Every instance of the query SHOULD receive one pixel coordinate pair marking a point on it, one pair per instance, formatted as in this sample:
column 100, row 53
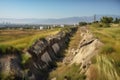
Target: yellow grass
column 23, row 38
column 106, row 69
column 108, row 59
column 75, row 40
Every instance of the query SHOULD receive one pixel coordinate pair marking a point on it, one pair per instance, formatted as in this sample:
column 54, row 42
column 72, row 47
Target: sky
column 57, row 8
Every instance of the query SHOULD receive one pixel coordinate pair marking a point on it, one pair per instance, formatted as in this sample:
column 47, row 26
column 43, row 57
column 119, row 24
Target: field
column 23, row 38
column 105, row 65
column 107, row 62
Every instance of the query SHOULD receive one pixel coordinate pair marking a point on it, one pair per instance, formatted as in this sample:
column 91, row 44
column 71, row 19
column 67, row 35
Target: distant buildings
column 61, row 25
column 41, row 27
column 75, row 24
column 34, row 26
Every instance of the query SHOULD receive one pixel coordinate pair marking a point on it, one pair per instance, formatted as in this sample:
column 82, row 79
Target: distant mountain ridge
column 69, row 20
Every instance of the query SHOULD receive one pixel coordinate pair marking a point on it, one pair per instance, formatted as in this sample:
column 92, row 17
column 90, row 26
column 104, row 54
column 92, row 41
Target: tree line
column 104, row 22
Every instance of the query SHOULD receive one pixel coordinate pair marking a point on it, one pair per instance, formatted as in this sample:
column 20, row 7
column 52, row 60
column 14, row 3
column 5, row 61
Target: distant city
column 60, row 21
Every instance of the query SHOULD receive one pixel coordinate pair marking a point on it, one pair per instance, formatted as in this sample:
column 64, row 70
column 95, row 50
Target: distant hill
column 69, row 20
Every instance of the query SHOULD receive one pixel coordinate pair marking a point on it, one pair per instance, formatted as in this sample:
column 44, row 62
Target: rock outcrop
column 87, row 48
column 46, row 51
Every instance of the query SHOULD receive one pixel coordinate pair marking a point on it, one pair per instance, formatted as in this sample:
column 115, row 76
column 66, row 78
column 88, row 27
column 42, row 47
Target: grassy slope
column 23, row 38
column 108, row 61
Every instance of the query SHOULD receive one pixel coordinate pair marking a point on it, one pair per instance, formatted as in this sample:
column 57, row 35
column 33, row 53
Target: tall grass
column 106, row 68
column 27, row 38
column 70, row 72
column 108, row 61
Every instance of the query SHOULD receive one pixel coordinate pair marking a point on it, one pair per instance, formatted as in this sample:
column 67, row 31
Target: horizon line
column 63, row 17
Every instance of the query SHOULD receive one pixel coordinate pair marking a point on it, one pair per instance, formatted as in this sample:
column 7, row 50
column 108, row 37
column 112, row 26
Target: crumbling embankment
column 78, row 59
column 10, row 64
column 88, row 47
column 46, row 51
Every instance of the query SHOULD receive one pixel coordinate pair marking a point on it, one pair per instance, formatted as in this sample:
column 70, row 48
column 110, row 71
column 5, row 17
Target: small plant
column 25, row 57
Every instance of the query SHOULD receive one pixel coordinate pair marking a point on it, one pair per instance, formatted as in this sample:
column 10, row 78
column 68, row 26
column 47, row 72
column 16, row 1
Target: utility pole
column 94, row 18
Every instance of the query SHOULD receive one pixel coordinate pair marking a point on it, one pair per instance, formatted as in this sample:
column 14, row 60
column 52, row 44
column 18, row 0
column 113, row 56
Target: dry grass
column 75, row 40
column 106, row 68
column 72, row 72
column 108, row 61
column 23, row 38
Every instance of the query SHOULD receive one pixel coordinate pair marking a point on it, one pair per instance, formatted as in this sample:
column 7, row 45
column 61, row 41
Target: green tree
column 106, row 19
column 82, row 23
column 117, row 20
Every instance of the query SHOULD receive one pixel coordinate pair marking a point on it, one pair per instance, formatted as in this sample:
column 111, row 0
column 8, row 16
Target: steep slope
column 88, row 47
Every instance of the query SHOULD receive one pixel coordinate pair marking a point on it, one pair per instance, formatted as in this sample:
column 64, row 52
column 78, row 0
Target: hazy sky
column 57, row 8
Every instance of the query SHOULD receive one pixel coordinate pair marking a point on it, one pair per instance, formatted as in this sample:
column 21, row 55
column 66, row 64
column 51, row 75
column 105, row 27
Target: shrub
column 117, row 20
column 82, row 23
column 106, row 19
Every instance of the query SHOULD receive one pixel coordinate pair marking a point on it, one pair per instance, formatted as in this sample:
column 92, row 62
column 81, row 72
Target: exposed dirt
column 88, row 47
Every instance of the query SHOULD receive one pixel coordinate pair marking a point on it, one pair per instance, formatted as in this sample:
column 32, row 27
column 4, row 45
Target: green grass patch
column 5, row 49
column 25, row 57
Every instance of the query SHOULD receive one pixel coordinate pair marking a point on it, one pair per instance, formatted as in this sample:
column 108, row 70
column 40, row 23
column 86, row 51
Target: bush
column 117, row 20
column 106, row 19
column 82, row 23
